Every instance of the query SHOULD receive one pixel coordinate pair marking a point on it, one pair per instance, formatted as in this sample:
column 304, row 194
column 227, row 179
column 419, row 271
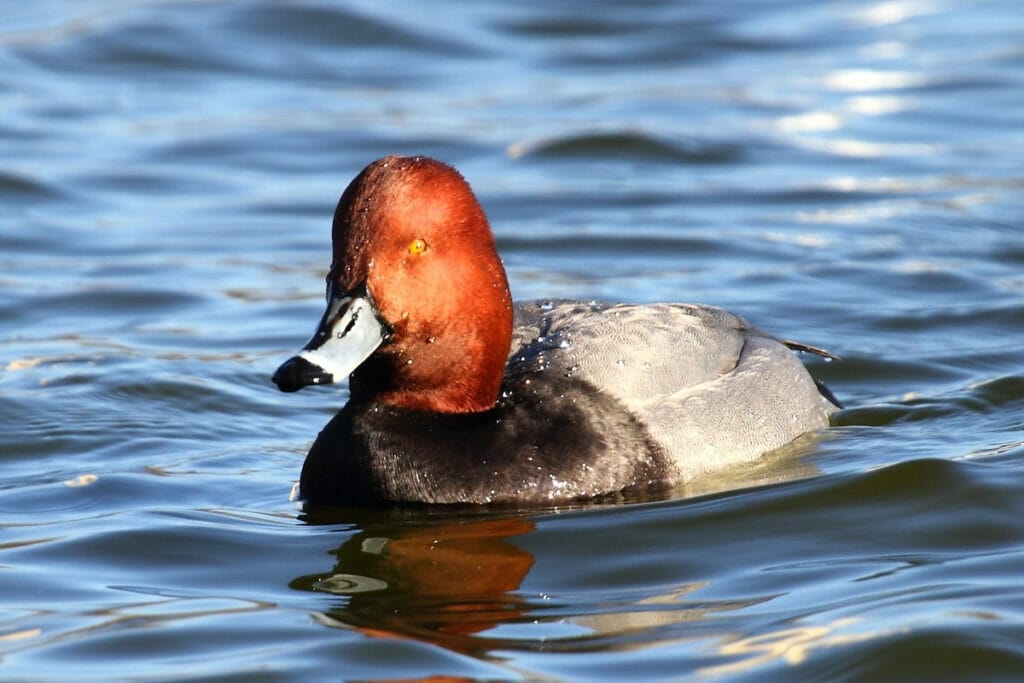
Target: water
column 845, row 174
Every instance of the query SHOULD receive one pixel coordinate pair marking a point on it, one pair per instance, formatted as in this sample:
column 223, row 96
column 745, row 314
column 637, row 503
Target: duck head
column 419, row 313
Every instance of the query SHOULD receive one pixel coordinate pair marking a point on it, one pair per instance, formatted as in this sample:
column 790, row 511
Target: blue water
column 849, row 174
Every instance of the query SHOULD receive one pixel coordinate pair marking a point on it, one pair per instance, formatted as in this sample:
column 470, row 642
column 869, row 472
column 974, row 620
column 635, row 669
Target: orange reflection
column 433, row 582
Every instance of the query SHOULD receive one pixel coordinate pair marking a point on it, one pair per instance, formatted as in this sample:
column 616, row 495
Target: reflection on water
column 438, row 583
column 458, row 585
column 791, row 646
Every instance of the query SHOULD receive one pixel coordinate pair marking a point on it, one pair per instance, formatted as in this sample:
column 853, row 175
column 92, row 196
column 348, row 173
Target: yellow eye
column 417, row 246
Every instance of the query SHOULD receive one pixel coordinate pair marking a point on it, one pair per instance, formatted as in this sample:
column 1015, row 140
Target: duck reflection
column 433, row 581
column 447, row 582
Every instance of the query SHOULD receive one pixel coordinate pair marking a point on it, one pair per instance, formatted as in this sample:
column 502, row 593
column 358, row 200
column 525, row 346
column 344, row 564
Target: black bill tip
column 297, row 372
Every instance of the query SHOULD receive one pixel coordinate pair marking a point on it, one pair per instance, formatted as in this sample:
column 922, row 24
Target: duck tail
column 797, row 346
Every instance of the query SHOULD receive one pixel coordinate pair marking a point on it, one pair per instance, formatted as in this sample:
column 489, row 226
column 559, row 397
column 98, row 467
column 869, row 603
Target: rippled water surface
column 849, row 174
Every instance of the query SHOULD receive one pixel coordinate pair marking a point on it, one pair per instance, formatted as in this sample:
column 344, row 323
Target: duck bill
column 348, row 333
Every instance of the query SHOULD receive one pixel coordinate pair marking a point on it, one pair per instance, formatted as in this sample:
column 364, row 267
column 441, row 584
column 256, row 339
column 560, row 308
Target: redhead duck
column 457, row 395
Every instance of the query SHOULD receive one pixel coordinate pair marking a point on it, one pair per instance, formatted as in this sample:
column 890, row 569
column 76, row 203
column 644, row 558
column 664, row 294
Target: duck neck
column 435, row 376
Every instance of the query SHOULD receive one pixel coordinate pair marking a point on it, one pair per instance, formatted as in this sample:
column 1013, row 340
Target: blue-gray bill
column 348, row 333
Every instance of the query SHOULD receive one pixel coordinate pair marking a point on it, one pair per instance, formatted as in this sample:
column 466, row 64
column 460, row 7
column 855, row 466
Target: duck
column 458, row 395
